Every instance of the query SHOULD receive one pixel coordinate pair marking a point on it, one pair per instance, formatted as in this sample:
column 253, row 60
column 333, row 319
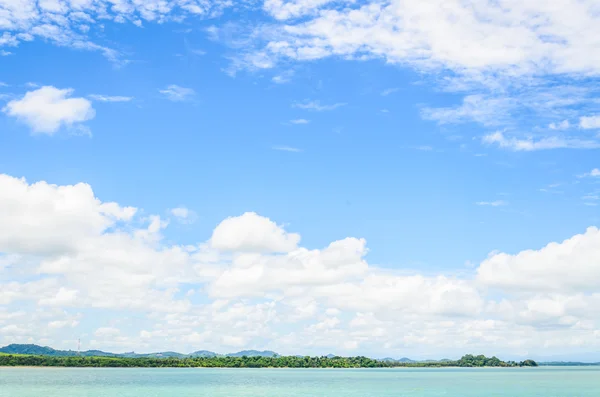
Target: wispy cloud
column 552, row 188
column 476, row 108
column 5, row 53
column 177, row 93
column 184, row 215
column 497, row 203
column 108, row 98
column 563, row 125
column 389, row 91
column 317, row 106
column 530, row 144
column 287, row 149
column 283, row 78
column 300, row 121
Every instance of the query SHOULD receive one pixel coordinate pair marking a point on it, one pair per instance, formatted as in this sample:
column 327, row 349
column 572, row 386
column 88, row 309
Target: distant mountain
column 203, row 353
column 33, row 349
column 163, row 355
column 48, row 351
column 402, row 360
column 330, row 356
column 253, row 353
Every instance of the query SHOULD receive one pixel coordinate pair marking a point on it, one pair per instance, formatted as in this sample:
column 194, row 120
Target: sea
column 199, row 382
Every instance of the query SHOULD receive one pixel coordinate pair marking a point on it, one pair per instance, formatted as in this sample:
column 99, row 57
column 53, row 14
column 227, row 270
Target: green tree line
column 248, row 362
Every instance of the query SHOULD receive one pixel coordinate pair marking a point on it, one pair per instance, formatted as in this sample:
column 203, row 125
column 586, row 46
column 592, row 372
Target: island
column 13, row 360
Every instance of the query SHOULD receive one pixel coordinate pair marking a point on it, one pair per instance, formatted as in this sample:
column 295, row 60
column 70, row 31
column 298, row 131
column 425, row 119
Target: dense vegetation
column 246, row 362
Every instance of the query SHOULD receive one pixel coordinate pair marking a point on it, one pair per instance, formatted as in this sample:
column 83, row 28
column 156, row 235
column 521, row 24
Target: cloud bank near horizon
column 72, row 265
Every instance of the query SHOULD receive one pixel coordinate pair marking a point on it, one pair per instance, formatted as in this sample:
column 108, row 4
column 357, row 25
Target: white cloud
column 180, row 212
column 254, row 275
column 108, row 98
column 183, row 214
column 389, row 91
column 477, row 108
column 104, row 332
column 72, row 23
column 299, row 121
column 563, row 125
column 497, row 203
column 74, row 258
column 57, row 324
column 317, row 106
column 287, row 149
column 283, row 78
column 176, row 93
column 5, row 53
column 251, row 232
column 589, row 122
column 530, row 144
column 507, row 35
column 573, row 265
column 286, row 9
column 47, row 109
column 593, row 173
column 64, row 297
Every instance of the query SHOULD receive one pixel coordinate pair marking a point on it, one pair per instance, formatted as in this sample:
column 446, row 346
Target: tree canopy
column 248, row 362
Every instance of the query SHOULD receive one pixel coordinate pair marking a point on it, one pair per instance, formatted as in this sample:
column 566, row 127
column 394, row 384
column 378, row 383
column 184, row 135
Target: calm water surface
column 159, row 382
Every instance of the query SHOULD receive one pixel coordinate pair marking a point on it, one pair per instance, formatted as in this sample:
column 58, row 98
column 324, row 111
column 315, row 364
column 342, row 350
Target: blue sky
column 442, row 145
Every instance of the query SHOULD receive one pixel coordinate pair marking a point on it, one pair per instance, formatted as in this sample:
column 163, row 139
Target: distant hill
column 253, row 353
column 48, row 351
column 402, row 360
column 203, row 353
column 162, row 355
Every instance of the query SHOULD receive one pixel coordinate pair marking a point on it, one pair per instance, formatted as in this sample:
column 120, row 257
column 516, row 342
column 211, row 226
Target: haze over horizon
column 378, row 178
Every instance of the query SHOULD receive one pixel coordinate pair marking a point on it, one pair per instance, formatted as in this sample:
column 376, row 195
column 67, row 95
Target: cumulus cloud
column 72, row 258
column 252, row 233
column 593, row 173
column 589, row 122
column 573, row 265
column 48, row 108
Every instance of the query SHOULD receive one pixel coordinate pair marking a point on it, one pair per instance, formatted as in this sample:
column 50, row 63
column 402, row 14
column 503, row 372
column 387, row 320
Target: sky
column 386, row 178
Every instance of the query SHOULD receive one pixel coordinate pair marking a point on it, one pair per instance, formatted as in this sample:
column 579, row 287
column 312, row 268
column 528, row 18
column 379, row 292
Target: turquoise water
column 159, row 382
